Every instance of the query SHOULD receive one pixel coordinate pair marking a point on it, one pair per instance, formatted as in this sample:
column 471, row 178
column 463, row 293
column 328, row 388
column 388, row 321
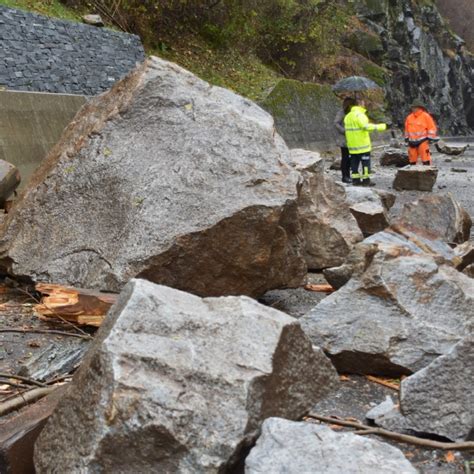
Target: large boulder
column 167, row 178
column 438, row 400
column 439, row 215
column 287, row 447
column 329, row 229
column 396, row 316
column 415, row 178
column 176, row 383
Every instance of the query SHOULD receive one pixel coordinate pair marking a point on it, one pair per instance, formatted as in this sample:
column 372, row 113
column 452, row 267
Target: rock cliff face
column 426, row 61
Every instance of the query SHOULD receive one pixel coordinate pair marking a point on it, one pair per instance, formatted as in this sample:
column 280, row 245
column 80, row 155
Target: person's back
column 358, row 128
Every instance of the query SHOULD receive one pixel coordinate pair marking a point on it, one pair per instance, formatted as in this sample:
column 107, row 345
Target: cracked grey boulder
column 393, row 241
column 165, row 178
column 439, row 400
column 286, row 447
column 176, row 383
column 395, row 317
column 439, row 216
column 329, row 229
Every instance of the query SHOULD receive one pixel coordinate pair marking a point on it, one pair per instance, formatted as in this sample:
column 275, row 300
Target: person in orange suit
column 420, row 131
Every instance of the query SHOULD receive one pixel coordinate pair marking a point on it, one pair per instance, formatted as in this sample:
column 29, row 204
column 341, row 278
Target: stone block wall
column 47, row 55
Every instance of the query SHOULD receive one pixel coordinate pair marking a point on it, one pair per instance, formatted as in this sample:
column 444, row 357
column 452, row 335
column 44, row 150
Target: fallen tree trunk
column 76, row 305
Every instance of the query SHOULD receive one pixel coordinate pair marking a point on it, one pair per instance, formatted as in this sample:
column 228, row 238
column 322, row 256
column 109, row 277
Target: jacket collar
column 358, row 108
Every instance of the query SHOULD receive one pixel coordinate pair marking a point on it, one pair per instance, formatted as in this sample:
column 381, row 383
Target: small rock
column 287, row 447
column 453, row 150
column 176, row 383
column 415, row 178
column 459, row 170
column 388, row 198
column 438, row 400
column 469, row 271
column 94, row 20
column 394, row 157
column 9, row 180
column 388, row 416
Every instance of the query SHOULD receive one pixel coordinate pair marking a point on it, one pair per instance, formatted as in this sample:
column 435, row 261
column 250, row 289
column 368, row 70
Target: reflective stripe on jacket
column 420, row 126
column 358, row 128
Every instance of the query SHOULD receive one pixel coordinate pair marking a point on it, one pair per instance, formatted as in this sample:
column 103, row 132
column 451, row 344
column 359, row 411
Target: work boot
column 426, row 163
column 367, row 182
column 356, row 182
column 346, row 180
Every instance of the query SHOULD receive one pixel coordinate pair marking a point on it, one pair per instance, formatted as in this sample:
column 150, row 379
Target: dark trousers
column 362, row 159
column 345, row 162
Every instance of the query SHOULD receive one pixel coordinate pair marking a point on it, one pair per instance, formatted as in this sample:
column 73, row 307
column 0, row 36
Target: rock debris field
column 255, row 314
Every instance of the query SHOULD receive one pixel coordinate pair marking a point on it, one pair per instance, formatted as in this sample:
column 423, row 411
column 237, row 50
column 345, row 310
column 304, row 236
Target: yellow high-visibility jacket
column 358, row 128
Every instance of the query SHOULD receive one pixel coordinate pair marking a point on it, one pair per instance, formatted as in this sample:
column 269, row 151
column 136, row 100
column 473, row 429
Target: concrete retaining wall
column 42, row 54
column 30, row 124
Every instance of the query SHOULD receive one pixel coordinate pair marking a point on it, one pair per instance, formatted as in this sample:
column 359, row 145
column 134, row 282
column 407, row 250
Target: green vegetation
column 52, row 8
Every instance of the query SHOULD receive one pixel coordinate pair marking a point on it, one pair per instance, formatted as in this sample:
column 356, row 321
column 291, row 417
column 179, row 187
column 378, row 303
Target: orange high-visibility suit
column 420, row 129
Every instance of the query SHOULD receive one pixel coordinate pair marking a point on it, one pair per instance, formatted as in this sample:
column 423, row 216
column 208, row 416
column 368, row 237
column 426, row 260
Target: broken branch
column 382, row 382
column 46, row 331
column 21, row 400
column 427, row 443
column 22, row 379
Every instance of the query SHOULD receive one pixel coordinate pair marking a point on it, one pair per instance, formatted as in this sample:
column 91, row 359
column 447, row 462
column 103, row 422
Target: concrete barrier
column 30, row 124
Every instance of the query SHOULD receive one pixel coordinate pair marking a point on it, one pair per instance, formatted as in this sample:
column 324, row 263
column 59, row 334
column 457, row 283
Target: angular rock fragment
column 357, row 262
column 415, row 178
column 329, row 228
column 394, row 157
column 439, row 216
column 469, row 271
column 395, row 317
column 287, row 447
column 388, row 199
column 176, row 383
column 452, row 150
column 370, row 217
column 438, row 400
column 167, row 178
column 387, row 415
column 465, row 253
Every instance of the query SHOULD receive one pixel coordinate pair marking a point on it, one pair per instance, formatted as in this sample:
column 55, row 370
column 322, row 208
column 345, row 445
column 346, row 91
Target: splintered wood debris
column 75, row 305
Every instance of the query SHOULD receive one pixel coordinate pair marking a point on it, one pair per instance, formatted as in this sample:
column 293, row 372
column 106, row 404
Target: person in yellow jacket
column 358, row 128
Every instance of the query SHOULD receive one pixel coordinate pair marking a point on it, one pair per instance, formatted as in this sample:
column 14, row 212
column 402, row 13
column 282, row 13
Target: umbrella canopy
column 354, row 84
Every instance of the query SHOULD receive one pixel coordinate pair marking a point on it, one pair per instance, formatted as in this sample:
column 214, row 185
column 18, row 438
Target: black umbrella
column 354, row 84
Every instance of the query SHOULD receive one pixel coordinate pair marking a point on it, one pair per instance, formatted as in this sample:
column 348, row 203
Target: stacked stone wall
column 47, row 55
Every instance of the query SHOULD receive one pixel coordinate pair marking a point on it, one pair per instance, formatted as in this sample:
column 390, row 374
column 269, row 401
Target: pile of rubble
column 182, row 198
